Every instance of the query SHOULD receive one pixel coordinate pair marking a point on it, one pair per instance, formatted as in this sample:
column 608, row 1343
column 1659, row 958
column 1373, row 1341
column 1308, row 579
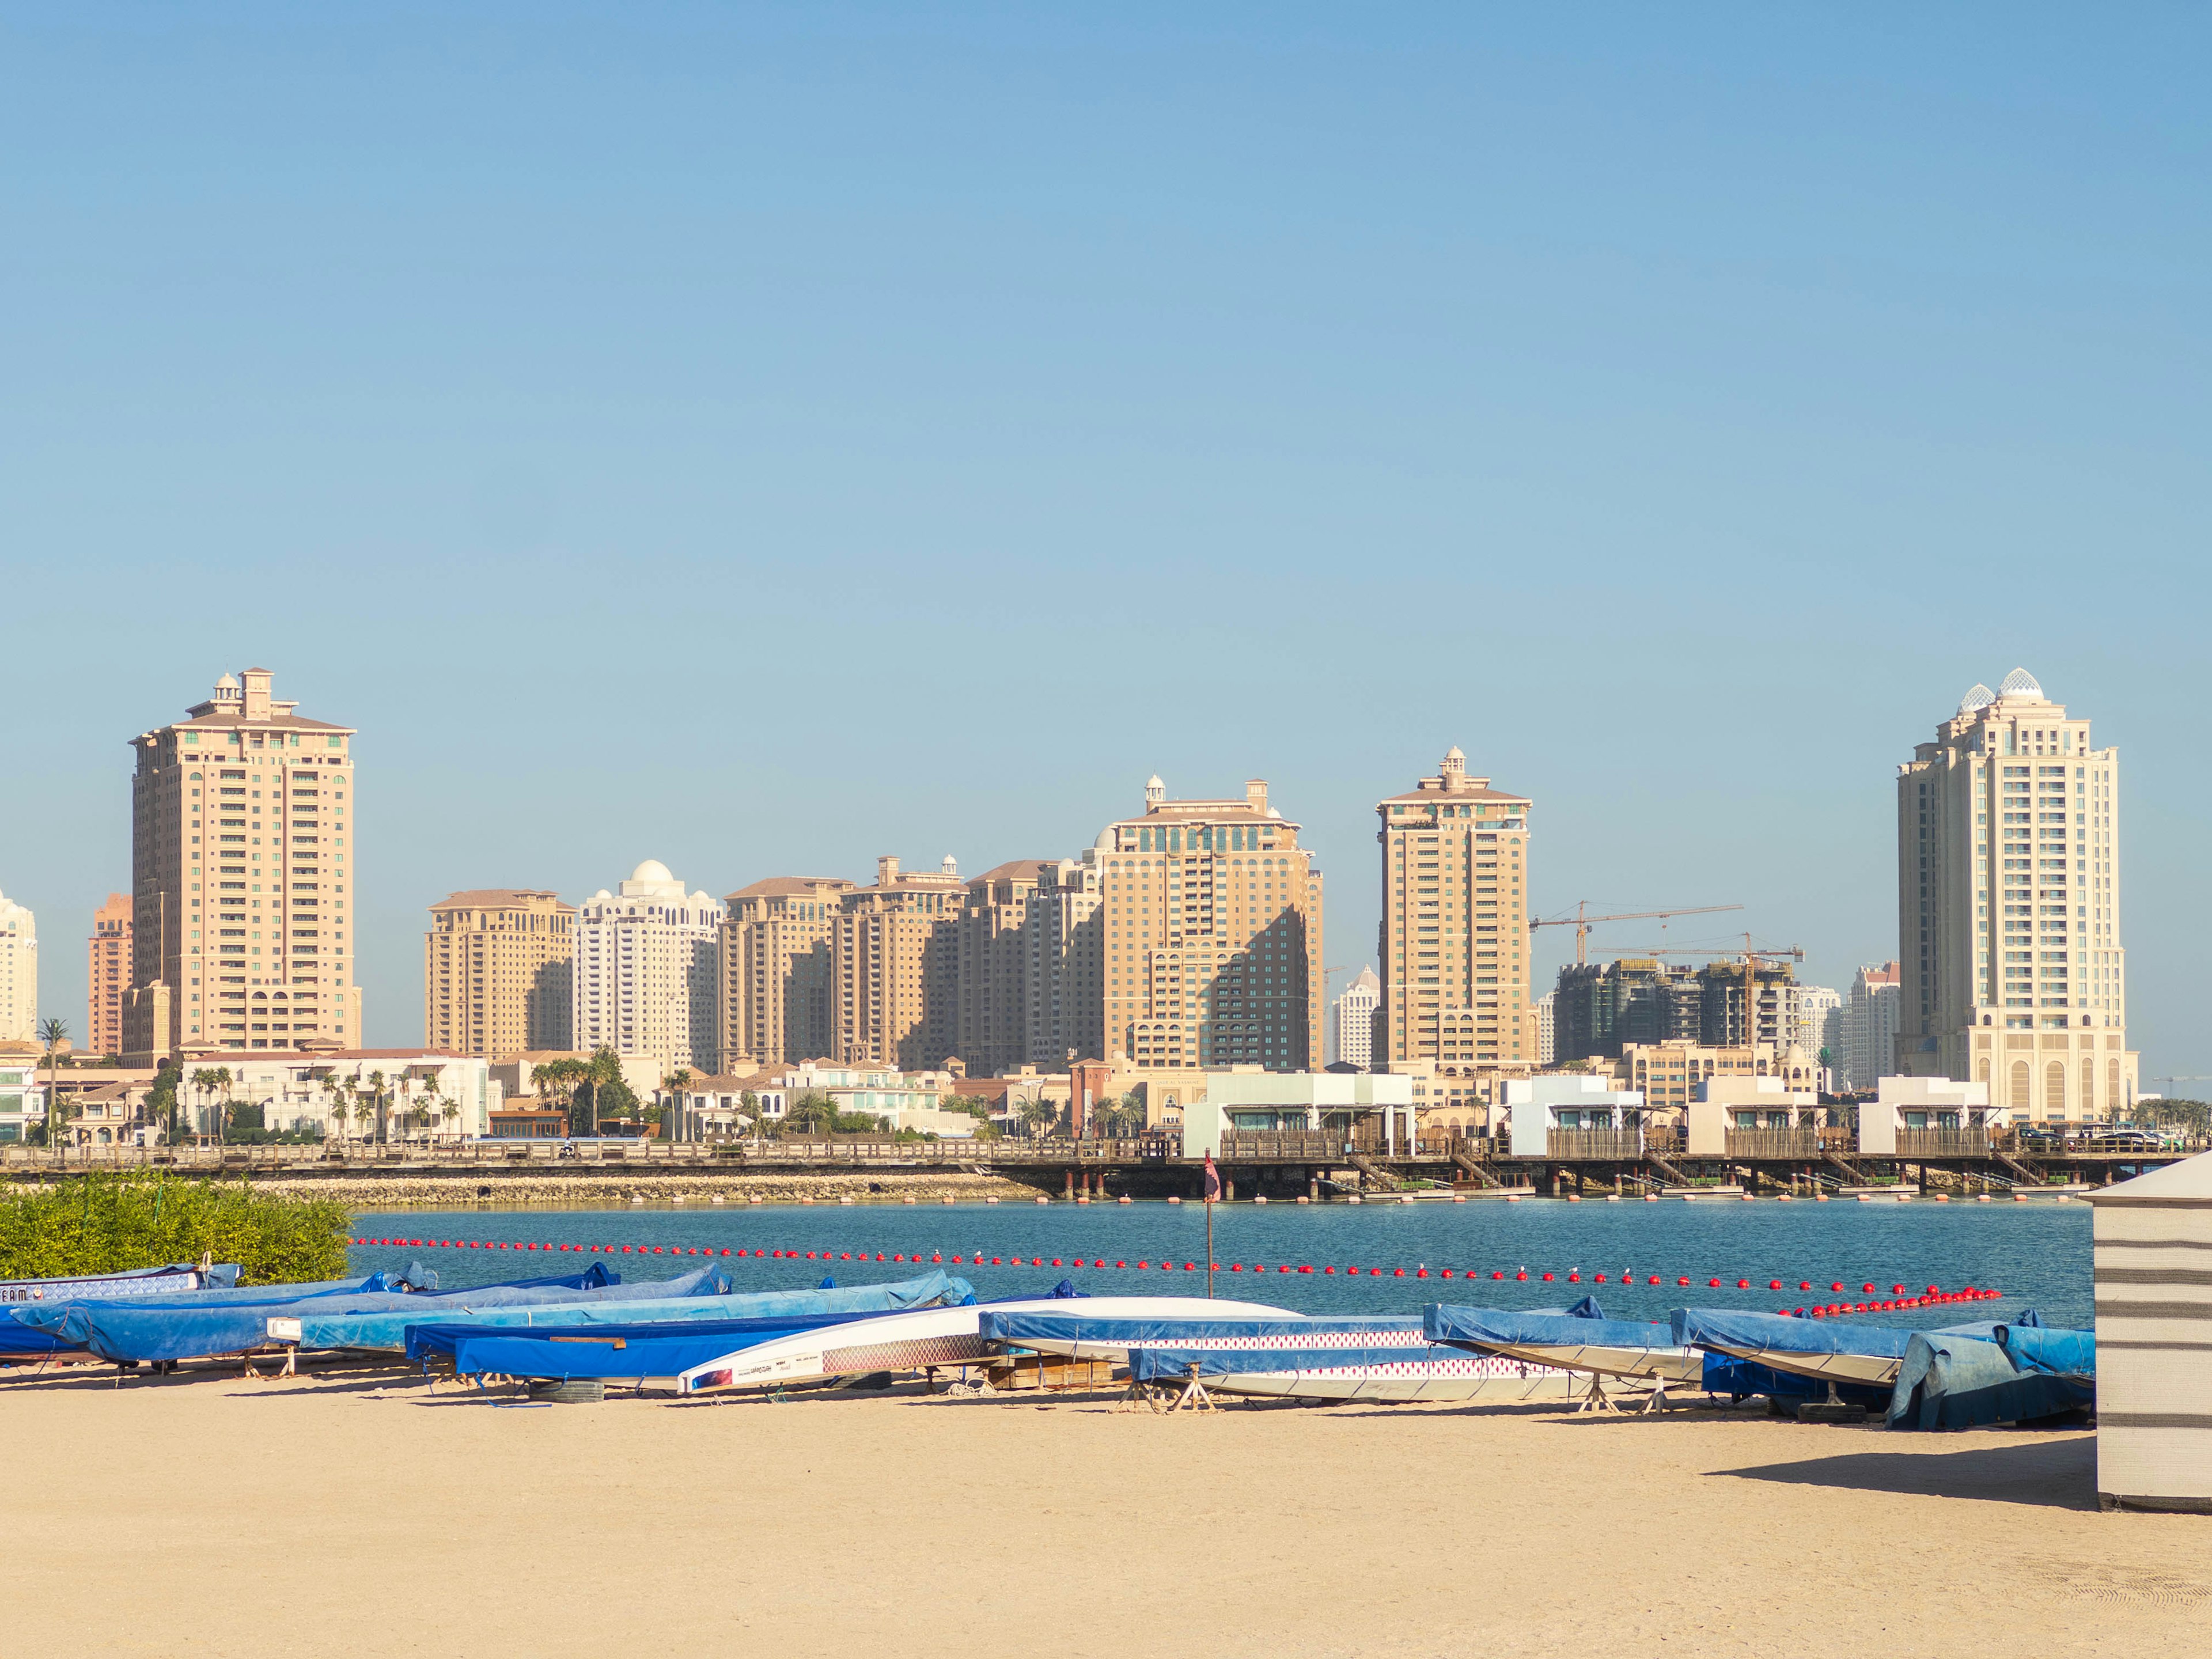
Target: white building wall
column 645, row 976
column 1869, row 1029
column 19, row 972
column 1351, row 1020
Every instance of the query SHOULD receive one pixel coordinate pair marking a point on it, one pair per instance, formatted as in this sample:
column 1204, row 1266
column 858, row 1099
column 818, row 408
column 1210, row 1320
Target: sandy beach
column 357, row 1514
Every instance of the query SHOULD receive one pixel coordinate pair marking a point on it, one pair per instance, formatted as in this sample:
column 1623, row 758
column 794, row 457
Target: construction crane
column 1751, row 957
column 1581, row 922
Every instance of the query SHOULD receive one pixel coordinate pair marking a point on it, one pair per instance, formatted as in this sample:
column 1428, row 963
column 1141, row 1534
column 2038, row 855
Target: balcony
column 1611, row 1144
column 1757, row 1144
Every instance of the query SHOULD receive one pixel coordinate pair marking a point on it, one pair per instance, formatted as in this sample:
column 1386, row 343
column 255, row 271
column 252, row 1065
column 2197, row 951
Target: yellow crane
column 1581, row 922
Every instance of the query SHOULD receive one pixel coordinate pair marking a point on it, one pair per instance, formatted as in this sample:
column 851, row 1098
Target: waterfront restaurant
column 1364, row 1107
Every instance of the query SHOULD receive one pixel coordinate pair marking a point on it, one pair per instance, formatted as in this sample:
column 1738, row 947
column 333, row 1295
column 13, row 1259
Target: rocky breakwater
column 548, row 1189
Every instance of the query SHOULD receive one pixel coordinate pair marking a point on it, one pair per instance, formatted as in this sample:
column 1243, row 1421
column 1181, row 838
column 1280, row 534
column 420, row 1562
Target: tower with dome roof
column 646, row 974
column 2012, row 967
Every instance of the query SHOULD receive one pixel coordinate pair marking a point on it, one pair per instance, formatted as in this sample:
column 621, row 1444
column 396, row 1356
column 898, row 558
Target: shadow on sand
column 2048, row 1472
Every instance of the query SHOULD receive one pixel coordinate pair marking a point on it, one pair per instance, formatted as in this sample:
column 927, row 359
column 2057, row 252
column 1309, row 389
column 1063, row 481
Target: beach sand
column 357, row 1514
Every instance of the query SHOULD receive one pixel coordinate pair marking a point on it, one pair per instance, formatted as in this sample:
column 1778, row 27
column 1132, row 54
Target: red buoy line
column 1896, row 1299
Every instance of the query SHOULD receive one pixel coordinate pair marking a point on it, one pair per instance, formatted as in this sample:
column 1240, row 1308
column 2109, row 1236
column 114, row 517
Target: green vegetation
column 2191, row 1117
column 102, row 1224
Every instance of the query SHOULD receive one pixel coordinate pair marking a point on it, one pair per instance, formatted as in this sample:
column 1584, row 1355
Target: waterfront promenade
column 923, row 1526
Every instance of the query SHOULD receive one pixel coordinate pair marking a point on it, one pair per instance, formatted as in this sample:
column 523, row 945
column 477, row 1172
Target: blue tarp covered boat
column 1581, row 1340
column 2025, row 1374
column 1828, row 1350
column 119, row 1331
column 175, row 1277
column 650, row 1332
column 614, row 1352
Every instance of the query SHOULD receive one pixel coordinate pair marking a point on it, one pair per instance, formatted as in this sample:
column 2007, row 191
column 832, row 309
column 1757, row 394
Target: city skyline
column 1546, row 975
column 1695, row 410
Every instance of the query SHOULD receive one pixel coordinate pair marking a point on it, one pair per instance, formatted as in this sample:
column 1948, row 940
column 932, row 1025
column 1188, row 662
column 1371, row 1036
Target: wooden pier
column 1277, row 1166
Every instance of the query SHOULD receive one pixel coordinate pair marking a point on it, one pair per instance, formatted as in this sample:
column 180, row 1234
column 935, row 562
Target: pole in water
column 1212, row 1191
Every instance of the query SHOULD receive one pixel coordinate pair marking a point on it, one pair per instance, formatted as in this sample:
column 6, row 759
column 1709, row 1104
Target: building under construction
column 1597, row 1007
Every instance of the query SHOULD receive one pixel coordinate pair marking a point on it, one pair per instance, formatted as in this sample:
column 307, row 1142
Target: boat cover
column 175, row 1277
column 1173, row 1364
column 1957, row 1383
column 425, row 1340
column 2063, row 1353
column 618, row 1352
column 1125, row 1332
column 1489, row 1329
column 121, row 1331
column 21, row 1336
column 1740, row 1379
column 1699, row 1327
column 767, row 1312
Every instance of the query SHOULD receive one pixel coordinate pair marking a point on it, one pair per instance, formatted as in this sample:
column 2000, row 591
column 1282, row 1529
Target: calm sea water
column 2038, row 1253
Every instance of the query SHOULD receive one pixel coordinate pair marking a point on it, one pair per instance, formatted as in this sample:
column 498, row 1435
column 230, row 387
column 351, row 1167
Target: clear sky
column 760, row 438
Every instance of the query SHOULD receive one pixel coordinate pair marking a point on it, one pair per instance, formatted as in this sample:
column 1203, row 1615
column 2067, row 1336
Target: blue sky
column 764, row 437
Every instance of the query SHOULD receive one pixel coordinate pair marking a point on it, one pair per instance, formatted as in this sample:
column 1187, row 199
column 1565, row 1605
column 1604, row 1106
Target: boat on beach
column 176, row 1276
column 934, row 1338
column 1827, row 1350
column 1395, row 1372
column 1580, row 1340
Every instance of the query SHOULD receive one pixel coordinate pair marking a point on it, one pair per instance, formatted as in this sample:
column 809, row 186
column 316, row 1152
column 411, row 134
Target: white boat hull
column 927, row 1338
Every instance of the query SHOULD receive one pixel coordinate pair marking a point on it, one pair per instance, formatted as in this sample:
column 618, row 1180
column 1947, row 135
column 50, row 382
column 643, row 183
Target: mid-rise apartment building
column 2011, row 967
column 894, row 970
column 1213, row 935
column 1456, row 985
column 775, row 973
column 647, row 977
column 1351, row 1020
column 245, row 875
column 1870, row 1026
column 19, row 972
column 499, row 972
column 107, row 976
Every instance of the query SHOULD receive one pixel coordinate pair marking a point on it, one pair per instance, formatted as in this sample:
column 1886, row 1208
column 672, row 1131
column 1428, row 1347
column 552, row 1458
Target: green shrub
column 105, row 1222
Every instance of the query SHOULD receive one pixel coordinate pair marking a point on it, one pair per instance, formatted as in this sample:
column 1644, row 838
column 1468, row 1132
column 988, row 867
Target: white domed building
column 646, row 972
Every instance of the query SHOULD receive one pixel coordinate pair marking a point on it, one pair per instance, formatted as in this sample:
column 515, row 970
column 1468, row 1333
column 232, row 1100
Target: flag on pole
column 1212, row 1180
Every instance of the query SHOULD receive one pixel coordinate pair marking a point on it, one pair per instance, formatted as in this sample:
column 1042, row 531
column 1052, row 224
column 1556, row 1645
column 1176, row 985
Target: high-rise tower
column 245, row 874
column 2011, row 966
column 1212, row 938
column 1456, row 985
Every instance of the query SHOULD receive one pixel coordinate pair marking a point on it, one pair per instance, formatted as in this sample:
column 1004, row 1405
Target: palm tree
column 448, row 1114
column 376, row 1095
column 53, row 1032
column 1039, row 1115
column 223, row 1081
column 342, row 1105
